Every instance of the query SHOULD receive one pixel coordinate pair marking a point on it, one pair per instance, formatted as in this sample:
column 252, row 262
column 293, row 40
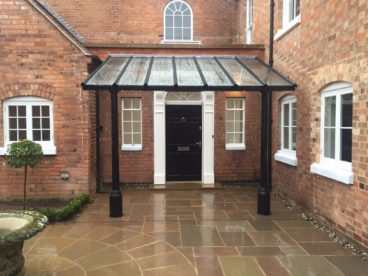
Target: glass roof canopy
column 186, row 73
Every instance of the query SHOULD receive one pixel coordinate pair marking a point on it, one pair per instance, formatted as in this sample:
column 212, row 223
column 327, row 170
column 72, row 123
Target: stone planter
column 15, row 227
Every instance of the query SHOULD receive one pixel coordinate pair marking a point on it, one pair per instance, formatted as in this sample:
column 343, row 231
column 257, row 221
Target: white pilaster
column 159, row 140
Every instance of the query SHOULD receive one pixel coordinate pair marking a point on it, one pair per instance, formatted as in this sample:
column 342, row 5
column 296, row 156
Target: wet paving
column 188, row 232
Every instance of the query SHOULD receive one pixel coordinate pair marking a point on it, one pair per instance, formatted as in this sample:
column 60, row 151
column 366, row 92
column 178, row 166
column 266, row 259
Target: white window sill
column 235, row 147
column 47, row 150
column 343, row 176
column 131, row 147
column 287, row 157
column 181, row 42
column 289, row 27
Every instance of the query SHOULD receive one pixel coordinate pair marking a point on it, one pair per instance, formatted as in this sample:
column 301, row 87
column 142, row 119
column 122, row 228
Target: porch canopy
column 186, row 73
column 189, row 74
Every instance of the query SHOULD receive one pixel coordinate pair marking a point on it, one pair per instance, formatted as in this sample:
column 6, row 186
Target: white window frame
column 334, row 168
column 249, row 27
column 131, row 147
column 235, row 146
column 288, row 23
column 48, row 147
column 165, row 40
column 286, row 155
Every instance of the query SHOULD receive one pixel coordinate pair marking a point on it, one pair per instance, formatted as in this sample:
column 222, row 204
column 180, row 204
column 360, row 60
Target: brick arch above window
column 45, row 91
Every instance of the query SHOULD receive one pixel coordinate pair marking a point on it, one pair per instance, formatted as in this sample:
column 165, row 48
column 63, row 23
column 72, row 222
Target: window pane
column 46, row 135
column 127, row 103
column 13, row 135
column 178, row 33
column 12, row 111
column 127, row 139
column 137, row 139
column 22, row 123
column 286, row 138
column 293, row 106
column 36, row 135
column 136, row 103
column 46, row 123
column 137, row 115
column 127, row 127
column 239, row 126
column 36, row 111
column 330, row 111
column 169, row 21
column 329, row 143
column 186, row 21
column 238, row 138
column 346, row 144
column 187, row 35
column 239, row 103
column 230, row 103
column 45, row 111
column 13, row 123
column 347, row 110
column 186, row 11
column 293, row 138
column 169, row 33
column 178, row 21
column 36, row 123
column 230, row 126
column 21, row 111
column 238, row 115
column 286, row 114
column 127, row 115
column 22, row 135
column 230, row 138
column 136, row 127
column 229, row 115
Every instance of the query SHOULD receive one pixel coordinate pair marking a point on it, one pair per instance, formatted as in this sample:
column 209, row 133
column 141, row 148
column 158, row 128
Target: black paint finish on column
column 263, row 204
column 116, row 200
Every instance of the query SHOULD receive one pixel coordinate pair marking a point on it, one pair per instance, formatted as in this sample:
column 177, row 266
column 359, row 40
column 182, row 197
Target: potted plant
column 24, row 154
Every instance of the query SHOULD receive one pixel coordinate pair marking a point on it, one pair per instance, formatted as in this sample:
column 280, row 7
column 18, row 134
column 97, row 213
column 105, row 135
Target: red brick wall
column 238, row 165
column 36, row 60
column 131, row 21
column 329, row 45
column 135, row 166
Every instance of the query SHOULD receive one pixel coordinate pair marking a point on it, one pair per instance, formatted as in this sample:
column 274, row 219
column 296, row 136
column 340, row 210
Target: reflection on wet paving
column 188, row 232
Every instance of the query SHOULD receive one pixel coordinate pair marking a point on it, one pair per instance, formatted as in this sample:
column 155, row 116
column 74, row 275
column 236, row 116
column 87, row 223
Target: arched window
column 178, row 21
column 29, row 118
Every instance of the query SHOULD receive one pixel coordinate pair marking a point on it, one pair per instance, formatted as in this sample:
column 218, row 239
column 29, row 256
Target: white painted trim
column 130, row 147
column 343, row 176
column 249, row 22
column 181, row 41
column 287, row 157
column 48, row 147
column 235, row 147
column 288, row 27
column 289, row 100
column 191, row 23
column 208, row 123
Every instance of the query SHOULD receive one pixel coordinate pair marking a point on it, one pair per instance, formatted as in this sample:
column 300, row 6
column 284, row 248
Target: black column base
column 116, row 204
column 263, row 202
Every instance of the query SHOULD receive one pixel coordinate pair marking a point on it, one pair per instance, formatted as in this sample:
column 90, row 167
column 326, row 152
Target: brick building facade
column 317, row 44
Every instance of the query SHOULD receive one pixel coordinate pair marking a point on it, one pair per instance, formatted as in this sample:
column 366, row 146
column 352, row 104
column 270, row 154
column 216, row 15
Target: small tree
column 24, row 154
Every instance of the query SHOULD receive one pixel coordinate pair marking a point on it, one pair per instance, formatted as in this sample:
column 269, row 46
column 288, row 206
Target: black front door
column 183, row 142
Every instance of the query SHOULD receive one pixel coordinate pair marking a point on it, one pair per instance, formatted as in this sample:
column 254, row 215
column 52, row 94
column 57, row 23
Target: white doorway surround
column 206, row 99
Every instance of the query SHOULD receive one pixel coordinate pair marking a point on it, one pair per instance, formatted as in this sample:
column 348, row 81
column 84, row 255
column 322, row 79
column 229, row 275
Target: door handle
column 199, row 144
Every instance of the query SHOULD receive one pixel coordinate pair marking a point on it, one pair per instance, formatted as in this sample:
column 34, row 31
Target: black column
column 98, row 150
column 116, row 201
column 263, row 203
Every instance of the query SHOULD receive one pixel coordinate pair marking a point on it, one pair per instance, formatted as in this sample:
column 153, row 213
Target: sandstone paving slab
column 309, row 265
column 47, row 264
column 240, row 265
column 265, row 225
column 349, row 265
column 236, row 239
column 307, row 235
column 81, row 248
column 202, row 251
column 50, row 246
column 119, row 236
column 170, row 258
column 272, row 266
column 177, row 270
column 260, row 251
column 127, row 268
column 208, row 266
column 325, row 248
column 234, row 226
column 156, row 248
column 172, row 238
column 136, row 242
column 271, row 238
column 293, row 250
column 200, row 236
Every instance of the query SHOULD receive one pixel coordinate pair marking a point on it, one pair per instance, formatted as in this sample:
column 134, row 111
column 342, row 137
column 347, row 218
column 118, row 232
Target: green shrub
column 24, row 154
column 68, row 212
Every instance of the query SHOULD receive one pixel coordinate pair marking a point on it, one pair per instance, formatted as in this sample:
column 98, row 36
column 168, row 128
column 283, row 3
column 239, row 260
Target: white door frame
column 159, row 122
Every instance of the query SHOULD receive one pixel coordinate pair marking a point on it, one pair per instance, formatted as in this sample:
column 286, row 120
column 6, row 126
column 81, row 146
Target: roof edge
column 75, row 42
column 174, row 46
